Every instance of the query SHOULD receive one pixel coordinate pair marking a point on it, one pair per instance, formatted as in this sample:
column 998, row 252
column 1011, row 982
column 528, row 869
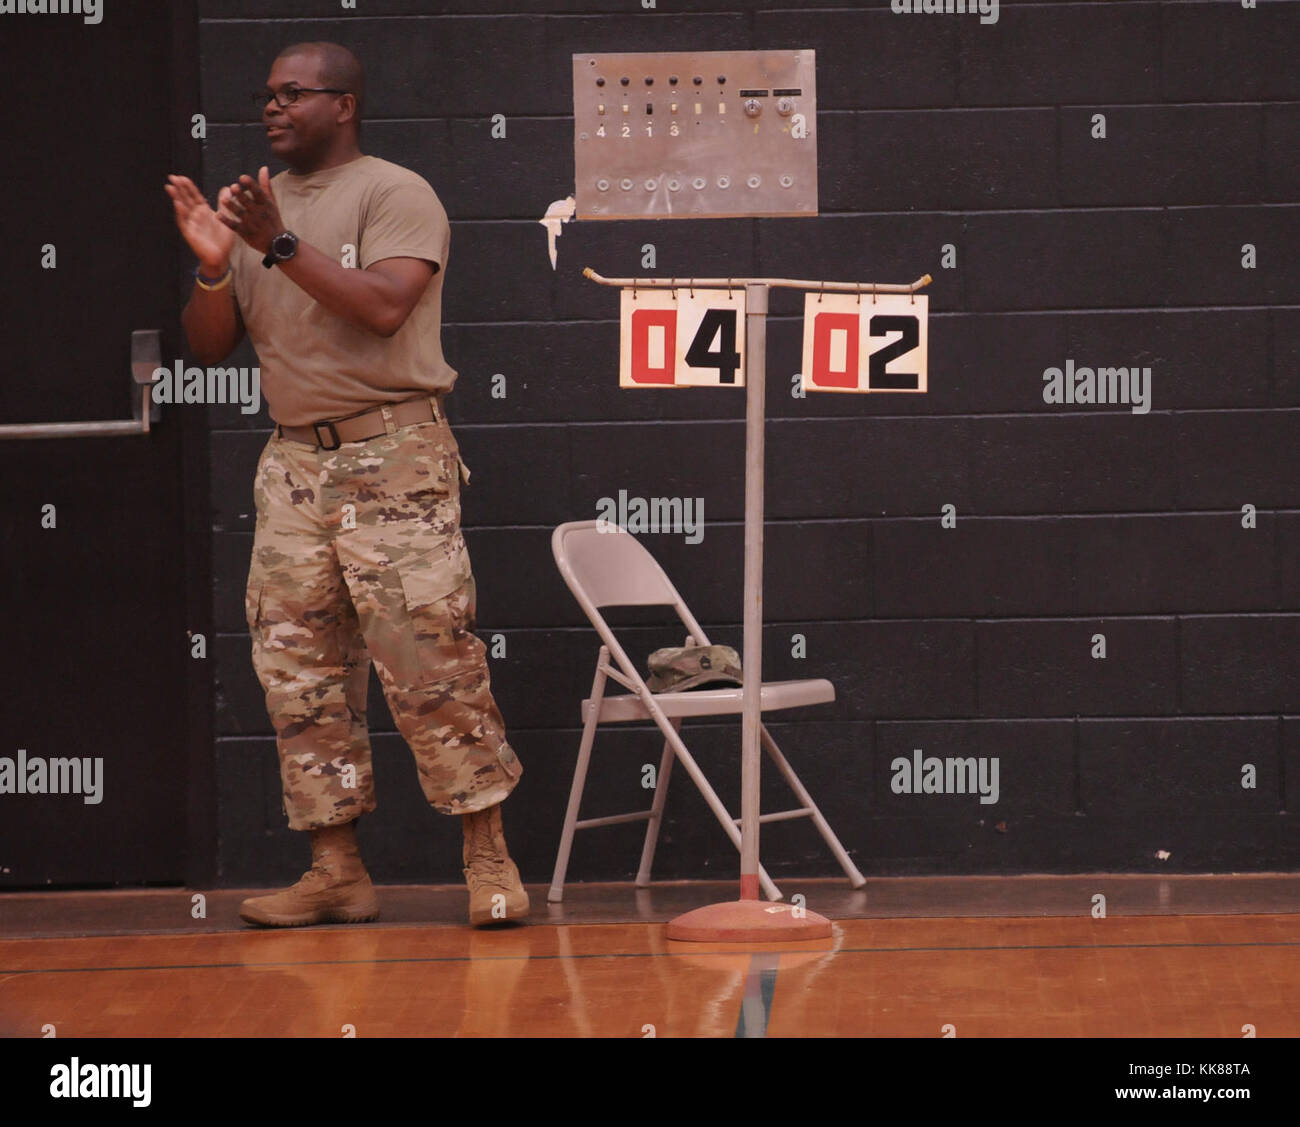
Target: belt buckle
column 332, row 433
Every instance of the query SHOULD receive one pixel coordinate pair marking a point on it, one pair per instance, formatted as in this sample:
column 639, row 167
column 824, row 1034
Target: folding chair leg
column 765, row 882
column 657, row 809
column 856, row 879
column 556, row 893
column 706, row 790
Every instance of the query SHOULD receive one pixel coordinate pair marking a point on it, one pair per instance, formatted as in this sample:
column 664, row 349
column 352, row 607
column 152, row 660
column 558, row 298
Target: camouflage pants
column 359, row 555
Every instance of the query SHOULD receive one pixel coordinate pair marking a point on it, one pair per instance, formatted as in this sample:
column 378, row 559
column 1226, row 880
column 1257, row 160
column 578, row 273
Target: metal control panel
column 694, row 134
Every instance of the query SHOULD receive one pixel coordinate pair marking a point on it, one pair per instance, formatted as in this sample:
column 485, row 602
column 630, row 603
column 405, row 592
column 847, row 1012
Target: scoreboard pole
column 751, row 664
column 749, row 920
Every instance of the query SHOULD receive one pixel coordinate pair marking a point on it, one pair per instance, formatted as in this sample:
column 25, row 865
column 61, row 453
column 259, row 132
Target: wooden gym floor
column 1184, row 956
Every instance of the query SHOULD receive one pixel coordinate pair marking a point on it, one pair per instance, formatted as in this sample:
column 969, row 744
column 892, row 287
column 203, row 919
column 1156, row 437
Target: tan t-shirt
column 314, row 364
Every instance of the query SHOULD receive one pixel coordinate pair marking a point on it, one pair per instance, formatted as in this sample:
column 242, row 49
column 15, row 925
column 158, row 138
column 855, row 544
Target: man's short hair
column 339, row 69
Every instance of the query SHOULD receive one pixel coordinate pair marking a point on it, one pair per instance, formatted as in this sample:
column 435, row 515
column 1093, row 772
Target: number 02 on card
column 852, row 343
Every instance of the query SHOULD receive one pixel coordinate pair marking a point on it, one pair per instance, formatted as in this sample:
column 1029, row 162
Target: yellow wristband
column 221, row 283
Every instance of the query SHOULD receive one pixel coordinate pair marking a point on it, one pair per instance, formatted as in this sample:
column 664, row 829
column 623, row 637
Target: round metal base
column 748, row 921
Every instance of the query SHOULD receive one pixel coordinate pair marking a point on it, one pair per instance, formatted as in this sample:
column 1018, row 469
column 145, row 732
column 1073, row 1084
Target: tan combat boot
column 336, row 889
column 496, row 894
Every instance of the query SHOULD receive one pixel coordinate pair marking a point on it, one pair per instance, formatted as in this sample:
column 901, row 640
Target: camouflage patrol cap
column 678, row 668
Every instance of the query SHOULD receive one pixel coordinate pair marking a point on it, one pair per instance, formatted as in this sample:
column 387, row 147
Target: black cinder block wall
column 969, row 150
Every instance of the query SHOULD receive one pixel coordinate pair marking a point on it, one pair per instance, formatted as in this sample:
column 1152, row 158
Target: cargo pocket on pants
column 438, row 588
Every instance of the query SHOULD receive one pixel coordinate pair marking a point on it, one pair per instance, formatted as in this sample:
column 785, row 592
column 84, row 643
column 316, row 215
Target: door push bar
column 146, row 358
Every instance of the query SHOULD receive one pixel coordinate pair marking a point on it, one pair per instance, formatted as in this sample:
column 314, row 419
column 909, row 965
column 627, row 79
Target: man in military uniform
column 337, row 278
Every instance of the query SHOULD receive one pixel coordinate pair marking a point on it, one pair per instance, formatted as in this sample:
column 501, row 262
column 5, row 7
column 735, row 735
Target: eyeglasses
column 289, row 95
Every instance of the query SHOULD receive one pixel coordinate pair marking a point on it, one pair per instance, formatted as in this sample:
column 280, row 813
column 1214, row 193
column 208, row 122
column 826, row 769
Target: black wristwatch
column 283, row 247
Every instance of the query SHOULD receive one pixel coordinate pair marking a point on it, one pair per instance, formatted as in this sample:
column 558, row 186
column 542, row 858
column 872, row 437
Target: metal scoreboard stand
column 713, row 134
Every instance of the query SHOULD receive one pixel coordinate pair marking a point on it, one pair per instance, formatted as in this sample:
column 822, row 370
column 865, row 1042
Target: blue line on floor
column 756, row 1003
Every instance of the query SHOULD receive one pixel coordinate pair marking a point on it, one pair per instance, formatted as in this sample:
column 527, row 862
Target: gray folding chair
column 611, row 568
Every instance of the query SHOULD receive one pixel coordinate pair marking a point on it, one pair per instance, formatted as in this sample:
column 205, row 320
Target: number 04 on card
column 854, row 343
column 676, row 338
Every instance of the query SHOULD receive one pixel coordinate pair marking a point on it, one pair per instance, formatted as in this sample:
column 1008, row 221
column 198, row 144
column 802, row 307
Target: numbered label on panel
column 859, row 345
column 671, row 338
